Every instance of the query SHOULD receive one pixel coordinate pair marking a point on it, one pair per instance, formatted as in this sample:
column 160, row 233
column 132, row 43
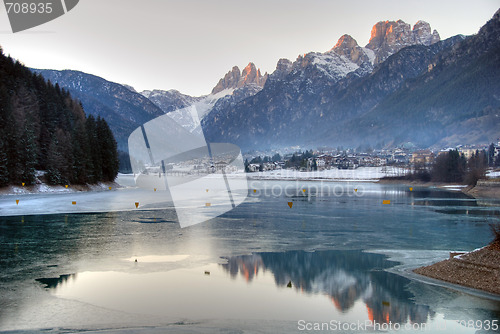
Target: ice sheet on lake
column 165, row 156
column 359, row 174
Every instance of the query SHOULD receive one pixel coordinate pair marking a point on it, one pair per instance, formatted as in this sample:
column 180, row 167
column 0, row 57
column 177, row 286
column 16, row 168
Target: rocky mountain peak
column 348, row 47
column 346, row 41
column 422, row 32
column 251, row 75
column 388, row 37
column 283, row 67
column 236, row 79
column 230, row 80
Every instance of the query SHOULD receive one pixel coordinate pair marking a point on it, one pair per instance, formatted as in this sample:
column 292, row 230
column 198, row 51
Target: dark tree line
column 261, row 161
column 43, row 128
column 452, row 167
column 299, row 159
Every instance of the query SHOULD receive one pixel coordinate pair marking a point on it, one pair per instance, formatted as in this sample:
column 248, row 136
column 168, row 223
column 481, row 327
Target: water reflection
column 346, row 277
column 53, row 282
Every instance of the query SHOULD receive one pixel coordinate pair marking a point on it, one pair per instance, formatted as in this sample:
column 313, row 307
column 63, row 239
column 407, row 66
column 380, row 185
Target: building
column 468, row 152
column 422, row 157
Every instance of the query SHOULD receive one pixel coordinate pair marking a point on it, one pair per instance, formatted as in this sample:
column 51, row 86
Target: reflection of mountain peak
column 345, row 276
column 248, row 266
column 53, row 282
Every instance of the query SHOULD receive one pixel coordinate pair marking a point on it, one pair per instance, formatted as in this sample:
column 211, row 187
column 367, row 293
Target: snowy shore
column 367, row 174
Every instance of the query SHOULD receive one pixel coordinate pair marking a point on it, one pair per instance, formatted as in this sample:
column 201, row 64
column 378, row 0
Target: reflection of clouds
column 332, row 280
column 345, row 276
column 340, row 285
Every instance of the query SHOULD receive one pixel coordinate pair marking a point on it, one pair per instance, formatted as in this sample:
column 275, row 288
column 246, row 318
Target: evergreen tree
column 95, row 146
column 4, row 171
column 42, row 127
column 476, row 167
column 449, row 167
column 491, row 155
column 247, row 164
column 81, row 155
column 108, row 151
column 58, row 165
column 28, row 156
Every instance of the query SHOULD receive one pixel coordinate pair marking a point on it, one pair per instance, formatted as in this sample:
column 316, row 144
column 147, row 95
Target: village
column 325, row 159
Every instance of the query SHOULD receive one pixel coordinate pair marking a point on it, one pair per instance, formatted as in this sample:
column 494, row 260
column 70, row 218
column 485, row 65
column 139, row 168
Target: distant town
column 340, row 158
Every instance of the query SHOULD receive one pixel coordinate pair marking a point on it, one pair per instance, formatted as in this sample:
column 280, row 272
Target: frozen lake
column 264, row 267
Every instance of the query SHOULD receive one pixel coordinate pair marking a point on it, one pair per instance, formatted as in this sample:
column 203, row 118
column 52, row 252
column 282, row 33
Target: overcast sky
column 189, row 45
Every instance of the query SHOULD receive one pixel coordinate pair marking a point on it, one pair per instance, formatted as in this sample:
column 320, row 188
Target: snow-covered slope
column 170, row 100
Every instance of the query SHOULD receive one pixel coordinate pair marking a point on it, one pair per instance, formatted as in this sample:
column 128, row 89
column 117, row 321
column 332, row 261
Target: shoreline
column 483, row 190
column 429, row 184
column 478, row 269
column 44, row 188
column 480, row 191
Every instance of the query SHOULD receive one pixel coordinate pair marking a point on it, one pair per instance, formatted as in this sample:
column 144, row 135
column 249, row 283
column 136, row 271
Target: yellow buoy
column 136, row 205
column 386, row 201
column 74, row 202
column 208, row 204
column 17, row 201
column 290, row 204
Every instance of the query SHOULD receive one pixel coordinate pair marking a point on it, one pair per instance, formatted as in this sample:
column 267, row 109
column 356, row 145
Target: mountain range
column 126, row 109
column 405, row 85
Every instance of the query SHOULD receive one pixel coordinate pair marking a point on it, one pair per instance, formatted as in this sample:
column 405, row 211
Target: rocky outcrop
column 349, row 48
column 236, row 79
column 388, row 37
column 251, row 75
column 170, row 100
column 420, row 94
column 283, row 67
column 422, row 33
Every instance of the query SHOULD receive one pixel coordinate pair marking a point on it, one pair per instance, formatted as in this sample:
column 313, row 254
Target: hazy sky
column 189, row 45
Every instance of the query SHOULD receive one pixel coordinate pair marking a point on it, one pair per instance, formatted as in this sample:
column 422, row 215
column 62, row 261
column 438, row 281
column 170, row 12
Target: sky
column 189, row 45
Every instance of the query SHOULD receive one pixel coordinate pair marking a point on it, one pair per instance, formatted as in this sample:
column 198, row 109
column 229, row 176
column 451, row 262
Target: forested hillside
column 43, row 128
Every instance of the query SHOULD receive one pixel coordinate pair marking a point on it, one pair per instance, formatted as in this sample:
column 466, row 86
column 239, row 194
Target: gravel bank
column 479, row 269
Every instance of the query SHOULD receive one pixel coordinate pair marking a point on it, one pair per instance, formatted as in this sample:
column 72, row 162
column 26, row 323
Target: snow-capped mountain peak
column 349, row 48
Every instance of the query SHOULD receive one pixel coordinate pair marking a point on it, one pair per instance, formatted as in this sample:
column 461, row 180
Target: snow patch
column 493, row 174
column 190, row 117
column 334, row 65
column 370, row 54
column 370, row 174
